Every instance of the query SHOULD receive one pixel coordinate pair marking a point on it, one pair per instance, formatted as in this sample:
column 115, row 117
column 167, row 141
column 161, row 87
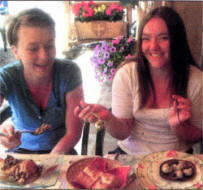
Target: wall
column 191, row 12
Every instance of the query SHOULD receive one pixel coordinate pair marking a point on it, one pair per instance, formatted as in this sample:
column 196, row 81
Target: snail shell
column 188, row 171
column 166, row 168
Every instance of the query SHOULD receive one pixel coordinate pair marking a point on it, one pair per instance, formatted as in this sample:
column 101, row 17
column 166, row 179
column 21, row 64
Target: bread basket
column 74, row 169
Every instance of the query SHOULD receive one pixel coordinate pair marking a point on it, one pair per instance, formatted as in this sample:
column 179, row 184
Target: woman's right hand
column 12, row 138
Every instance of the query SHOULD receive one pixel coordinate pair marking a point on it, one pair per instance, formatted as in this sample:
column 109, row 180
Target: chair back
column 99, row 140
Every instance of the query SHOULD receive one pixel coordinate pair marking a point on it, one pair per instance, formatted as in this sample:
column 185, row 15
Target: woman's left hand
column 92, row 112
column 180, row 111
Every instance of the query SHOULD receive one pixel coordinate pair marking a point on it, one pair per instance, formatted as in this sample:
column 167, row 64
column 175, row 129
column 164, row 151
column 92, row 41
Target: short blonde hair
column 32, row 17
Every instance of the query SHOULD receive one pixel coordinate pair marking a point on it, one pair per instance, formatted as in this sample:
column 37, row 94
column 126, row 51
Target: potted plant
column 107, row 56
column 98, row 20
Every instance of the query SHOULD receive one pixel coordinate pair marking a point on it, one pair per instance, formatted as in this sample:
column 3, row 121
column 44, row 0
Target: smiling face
column 36, row 50
column 156, row 43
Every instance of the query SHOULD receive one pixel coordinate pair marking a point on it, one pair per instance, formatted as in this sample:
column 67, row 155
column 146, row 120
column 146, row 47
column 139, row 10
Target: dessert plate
column 148, row 171
column 48, row 177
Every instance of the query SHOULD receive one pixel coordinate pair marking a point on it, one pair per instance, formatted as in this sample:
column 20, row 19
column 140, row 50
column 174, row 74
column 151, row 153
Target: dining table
column 56, row 167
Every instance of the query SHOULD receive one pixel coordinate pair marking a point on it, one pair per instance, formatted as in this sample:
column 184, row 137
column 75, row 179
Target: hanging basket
column 99, row 30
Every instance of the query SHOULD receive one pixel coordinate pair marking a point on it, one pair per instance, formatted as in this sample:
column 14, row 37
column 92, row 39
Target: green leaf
column 129, row 2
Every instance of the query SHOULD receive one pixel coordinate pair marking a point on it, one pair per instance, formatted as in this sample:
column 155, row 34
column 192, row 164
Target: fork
column 43, row 127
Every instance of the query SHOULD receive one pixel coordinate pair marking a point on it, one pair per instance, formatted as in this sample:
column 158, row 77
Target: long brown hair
column 181, row 57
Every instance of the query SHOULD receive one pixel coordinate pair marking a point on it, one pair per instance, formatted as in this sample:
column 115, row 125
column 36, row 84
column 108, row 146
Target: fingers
column 80, row 108
column 182, row 107
column 8, row 130
column 11, row 141
column 92, row 112
column 181, row 101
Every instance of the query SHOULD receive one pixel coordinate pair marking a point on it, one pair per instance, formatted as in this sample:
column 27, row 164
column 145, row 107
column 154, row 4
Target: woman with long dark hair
column 157, row 96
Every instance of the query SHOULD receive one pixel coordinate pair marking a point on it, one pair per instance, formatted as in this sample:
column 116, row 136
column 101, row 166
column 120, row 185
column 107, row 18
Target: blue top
column 26, row 115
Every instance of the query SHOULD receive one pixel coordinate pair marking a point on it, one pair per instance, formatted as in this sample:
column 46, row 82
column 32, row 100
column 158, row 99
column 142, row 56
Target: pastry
column 19, row 171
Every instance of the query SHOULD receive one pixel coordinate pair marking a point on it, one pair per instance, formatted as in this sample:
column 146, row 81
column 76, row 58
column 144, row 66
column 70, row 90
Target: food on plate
column 99, row 174
column 19, row 171
column 170, row 170
column 175, row 169
column 96, row 179
column 188, row 171
column 166, row 168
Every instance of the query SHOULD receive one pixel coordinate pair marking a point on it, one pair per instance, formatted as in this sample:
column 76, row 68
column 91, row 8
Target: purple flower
column 104, row 43
column 105, row 70
column 97, row 47
column 106, row 55
column 110, row 64
column 113, row 71
column 101, row 61
column 113, row 49
column 96, row 53
column 93, row 60
column 110, row 77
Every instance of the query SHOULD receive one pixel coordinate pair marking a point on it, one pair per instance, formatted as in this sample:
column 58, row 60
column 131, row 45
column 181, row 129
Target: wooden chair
column 99, row 140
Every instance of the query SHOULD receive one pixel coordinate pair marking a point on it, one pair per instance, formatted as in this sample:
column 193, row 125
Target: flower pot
column 99, row 30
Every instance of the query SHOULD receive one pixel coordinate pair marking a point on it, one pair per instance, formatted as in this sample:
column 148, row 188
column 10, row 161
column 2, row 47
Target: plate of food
column 170, row 170
column 97, row 173
column 28, row 173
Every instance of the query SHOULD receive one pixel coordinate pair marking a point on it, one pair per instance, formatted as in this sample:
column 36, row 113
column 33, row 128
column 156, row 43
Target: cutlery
column 37, row 131
column 116, row 157
column 130, row 179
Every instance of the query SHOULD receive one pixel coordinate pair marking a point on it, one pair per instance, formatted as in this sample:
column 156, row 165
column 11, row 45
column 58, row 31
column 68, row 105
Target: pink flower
column 116, row 7
column 88, row 12
column 128, row 56
column 198, row 185
column 108, row 12
column 76, row 9
column 83, row 3
column 113, row 12
column 91, row 3
column 130, row 39
column 152, row 187
column 172, row 153
column 141, row 166
column 116, row 41
column 119, row 37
